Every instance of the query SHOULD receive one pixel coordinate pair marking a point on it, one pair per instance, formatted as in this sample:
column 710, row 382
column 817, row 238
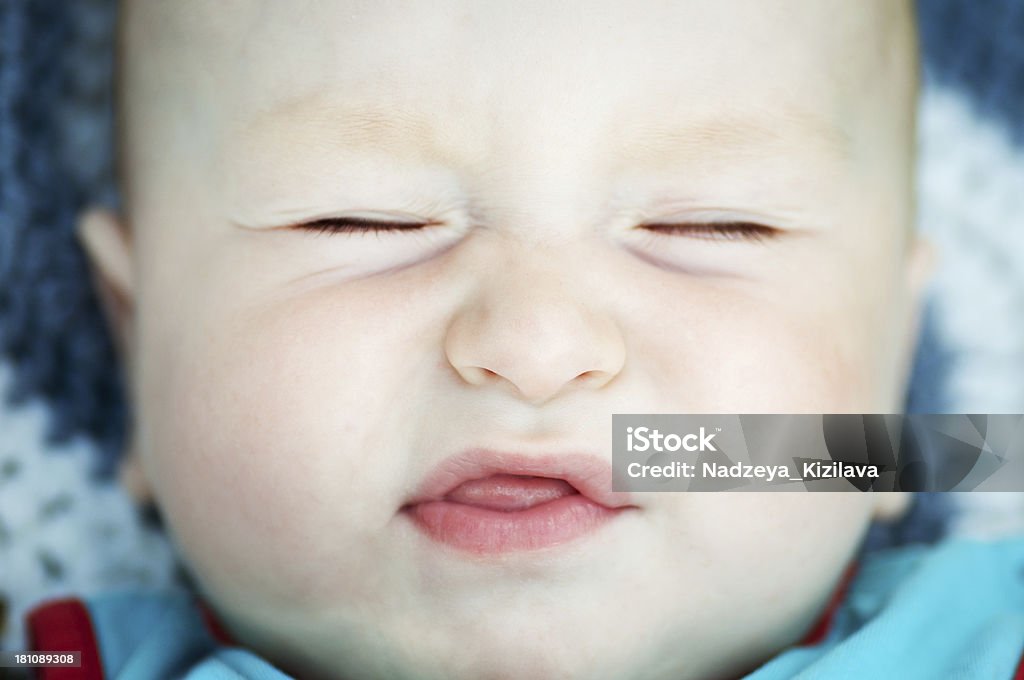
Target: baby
column 384, row 270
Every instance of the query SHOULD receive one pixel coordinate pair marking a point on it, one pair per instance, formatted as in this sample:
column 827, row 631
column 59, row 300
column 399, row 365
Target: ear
column 108, row 246
column 891, row 505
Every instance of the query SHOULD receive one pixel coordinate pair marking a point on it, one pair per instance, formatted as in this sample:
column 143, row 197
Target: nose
column 529, row 329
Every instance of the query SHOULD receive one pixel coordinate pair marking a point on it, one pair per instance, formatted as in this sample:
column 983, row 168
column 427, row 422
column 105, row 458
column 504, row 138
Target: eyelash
column 347, row 225
column 715, row 231
column 712, row 231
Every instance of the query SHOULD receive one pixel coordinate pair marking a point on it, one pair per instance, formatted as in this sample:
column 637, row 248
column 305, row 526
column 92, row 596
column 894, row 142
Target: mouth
column 489, row 502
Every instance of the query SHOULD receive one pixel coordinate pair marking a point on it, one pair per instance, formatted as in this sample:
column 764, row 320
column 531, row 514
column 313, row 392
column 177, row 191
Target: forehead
column 462, row 69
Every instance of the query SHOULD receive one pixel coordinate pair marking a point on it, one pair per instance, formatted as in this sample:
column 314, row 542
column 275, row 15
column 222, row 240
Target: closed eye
column 342, row 225
column 716, row 231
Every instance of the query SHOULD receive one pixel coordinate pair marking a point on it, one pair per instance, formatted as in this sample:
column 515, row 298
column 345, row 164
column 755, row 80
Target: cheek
column 778, row 554
column 261, row 432
column 785, row 547
column 777, row 531
column 776, row 349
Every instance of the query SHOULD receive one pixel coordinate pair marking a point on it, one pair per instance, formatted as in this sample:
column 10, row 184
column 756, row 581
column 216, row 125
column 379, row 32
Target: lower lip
column 484, row 531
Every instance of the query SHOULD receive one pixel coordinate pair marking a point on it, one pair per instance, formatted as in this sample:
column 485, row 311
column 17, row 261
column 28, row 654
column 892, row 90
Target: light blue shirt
column 955, row 610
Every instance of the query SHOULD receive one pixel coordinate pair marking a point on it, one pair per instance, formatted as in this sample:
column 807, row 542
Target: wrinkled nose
column 533, row 332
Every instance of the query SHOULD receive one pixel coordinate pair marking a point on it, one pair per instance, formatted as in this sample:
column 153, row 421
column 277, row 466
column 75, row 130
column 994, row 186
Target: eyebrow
column 360, row 125
column 736, row 133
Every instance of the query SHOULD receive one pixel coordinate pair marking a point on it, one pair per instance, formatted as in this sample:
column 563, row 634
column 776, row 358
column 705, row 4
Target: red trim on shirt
column 214, row 626
column 65, row 626
column 820, row 630
column 1019, row 675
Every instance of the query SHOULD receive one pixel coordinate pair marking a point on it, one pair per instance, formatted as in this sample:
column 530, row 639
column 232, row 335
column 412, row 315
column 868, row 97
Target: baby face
column 376, row 256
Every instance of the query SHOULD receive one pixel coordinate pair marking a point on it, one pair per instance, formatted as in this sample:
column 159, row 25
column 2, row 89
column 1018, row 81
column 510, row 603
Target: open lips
column 489, row 502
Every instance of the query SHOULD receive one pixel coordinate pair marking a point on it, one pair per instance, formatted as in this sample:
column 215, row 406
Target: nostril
column 594, row 378
column 477, row 375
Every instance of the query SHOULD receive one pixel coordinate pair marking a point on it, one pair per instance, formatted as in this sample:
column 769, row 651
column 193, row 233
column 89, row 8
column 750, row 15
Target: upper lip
column 589, row 474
